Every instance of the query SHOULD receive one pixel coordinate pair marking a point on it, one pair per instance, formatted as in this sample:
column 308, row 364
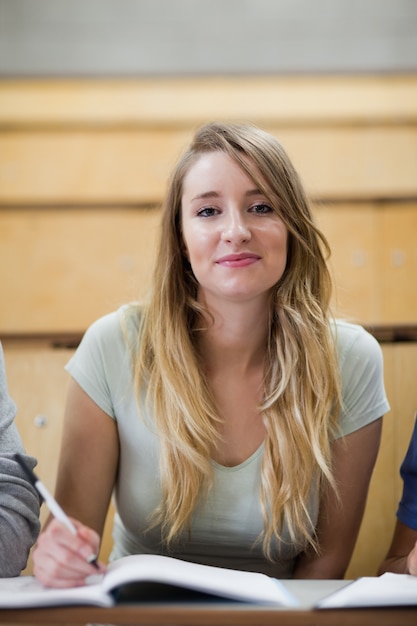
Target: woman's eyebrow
column 207, row 194
column 254, row 192
column 218, row 194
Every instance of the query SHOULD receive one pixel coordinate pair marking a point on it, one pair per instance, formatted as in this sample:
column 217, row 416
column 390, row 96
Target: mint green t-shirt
column 225, row 529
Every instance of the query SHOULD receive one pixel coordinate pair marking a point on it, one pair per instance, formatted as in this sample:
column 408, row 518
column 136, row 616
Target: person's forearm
column 395, row 564
column 320, row 567
column 401, row 564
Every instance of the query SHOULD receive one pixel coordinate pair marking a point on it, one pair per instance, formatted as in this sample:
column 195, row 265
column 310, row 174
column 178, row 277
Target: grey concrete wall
column 183, row 37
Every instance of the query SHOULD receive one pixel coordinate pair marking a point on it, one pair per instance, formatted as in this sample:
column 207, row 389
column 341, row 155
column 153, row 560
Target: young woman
column 235, row 421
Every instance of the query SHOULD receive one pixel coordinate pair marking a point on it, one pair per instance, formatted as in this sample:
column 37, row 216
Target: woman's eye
column 207, row 212
column 261, row 208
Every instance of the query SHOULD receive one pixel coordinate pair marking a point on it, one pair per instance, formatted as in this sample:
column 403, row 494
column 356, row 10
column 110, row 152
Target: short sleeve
column 407, row 508
column 362, row 377
column 101, row 361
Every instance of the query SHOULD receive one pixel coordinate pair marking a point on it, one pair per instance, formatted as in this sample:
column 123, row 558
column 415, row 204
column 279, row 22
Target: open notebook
column 153, row 578
column 386, row 590
column 149, row 578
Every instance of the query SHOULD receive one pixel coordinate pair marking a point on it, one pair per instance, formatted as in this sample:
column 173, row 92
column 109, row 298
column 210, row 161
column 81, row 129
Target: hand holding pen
column 53, row 506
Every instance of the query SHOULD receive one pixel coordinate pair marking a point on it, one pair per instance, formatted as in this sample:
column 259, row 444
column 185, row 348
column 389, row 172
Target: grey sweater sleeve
column 19, row 501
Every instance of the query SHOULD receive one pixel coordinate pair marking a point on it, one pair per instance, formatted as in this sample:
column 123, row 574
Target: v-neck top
column 226, row 527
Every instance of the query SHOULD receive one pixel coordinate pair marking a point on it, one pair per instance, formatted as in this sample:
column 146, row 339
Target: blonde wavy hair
column 301, row 401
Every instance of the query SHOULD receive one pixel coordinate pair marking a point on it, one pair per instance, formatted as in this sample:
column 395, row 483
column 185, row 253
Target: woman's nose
column 235, row 228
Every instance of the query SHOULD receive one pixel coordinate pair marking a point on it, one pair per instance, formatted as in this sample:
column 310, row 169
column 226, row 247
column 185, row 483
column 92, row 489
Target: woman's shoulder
column 354, row 340
column 113, row 325
column 110, row 339
column 362, row 380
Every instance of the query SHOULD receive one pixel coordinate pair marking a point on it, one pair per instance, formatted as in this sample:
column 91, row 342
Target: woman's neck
column 237, row 337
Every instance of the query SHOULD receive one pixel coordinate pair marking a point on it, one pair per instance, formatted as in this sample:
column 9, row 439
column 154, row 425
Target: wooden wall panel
column 132, row 165
column 161, row 102
column 37, row 383
column 397, row 262
column 403, row 398
column 379, row 519
column 61, row 269
column 87, row 166
column 351, row 230
column 374, row 259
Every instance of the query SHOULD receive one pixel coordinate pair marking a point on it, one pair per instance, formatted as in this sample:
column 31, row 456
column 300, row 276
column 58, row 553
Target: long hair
column 301, row 400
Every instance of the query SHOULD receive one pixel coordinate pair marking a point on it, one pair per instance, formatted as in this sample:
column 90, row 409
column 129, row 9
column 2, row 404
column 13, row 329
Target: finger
column 61, row 559
column 85, row 543
column 62, row 568
column 58, row 568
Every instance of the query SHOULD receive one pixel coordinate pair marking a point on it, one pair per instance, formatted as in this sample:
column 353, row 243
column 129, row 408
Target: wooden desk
column 210, row 615
column 220, row 614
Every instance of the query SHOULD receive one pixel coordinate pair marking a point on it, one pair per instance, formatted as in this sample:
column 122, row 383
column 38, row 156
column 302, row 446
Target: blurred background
column 97, row 100
column 183, row 37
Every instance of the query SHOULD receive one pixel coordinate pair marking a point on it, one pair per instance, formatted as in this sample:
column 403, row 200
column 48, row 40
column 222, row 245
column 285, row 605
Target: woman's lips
column 238, row 260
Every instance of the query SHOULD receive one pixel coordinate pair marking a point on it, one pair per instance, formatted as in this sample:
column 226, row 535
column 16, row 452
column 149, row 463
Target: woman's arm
column 86, row 476
column 340, row 518
column 402, row 554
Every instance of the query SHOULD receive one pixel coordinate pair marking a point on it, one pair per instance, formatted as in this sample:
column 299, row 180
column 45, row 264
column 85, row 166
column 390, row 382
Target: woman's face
column 235, row 242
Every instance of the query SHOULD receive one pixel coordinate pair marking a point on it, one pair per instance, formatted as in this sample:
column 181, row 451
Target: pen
column 50, row 502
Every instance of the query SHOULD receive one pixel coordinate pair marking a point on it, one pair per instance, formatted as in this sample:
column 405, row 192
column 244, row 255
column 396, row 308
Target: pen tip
column 92, row 559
